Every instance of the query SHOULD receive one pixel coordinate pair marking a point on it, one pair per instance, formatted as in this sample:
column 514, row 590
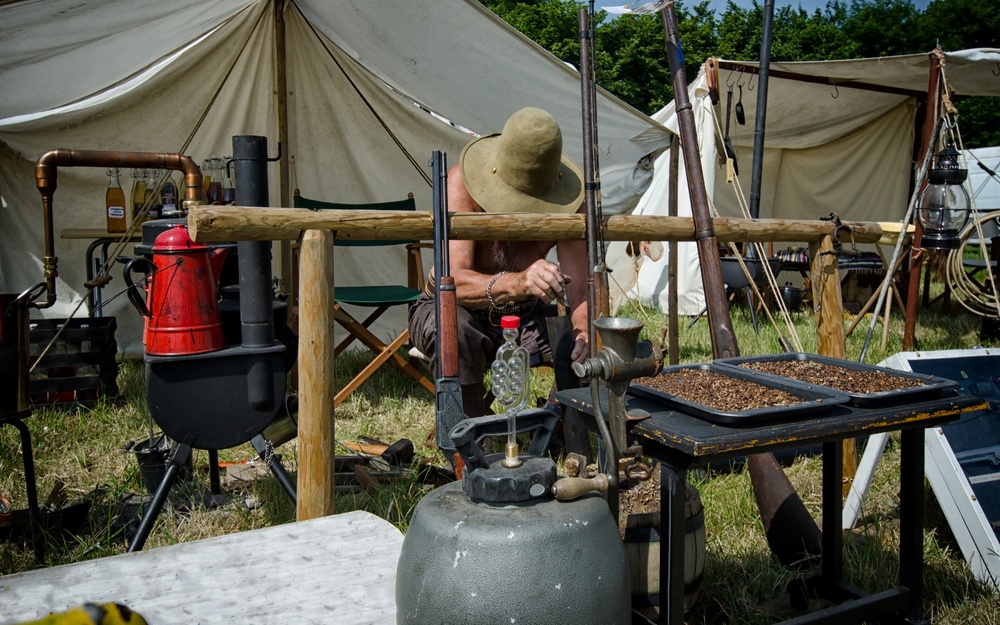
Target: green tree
column 960, row 25
column 881, row 28
column 554, row 25
column 630, row 58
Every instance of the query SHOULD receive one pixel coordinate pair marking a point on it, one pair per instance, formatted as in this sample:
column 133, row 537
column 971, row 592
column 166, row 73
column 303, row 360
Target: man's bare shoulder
column 459, row 199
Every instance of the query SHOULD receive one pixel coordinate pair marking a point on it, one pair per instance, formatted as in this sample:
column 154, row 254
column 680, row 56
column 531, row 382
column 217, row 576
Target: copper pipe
column 45, row 180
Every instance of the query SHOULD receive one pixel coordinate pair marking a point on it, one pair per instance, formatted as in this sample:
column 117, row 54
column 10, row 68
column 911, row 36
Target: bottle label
column 116, row 212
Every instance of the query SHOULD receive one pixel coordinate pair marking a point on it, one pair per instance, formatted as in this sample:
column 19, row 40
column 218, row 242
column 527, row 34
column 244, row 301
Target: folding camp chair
column 379, row 297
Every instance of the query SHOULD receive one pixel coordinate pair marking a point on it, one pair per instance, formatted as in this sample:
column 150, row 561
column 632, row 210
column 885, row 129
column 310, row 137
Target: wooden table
column 99, row 239
column 335, row 569
column 681, row 442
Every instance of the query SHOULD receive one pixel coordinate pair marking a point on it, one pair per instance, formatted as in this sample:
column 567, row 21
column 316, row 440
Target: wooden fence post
column 829, row 308
column 315, row 362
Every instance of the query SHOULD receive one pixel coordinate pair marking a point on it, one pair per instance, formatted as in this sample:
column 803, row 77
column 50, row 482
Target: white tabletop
column 337, row 569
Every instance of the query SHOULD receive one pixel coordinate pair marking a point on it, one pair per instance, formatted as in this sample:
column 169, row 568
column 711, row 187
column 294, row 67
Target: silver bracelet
column 489, row 289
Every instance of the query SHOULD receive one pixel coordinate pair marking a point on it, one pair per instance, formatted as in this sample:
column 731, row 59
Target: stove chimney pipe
column 256, row 295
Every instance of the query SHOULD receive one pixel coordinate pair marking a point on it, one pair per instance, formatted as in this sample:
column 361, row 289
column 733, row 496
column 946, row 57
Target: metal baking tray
column 816, row 400
column 931, row 387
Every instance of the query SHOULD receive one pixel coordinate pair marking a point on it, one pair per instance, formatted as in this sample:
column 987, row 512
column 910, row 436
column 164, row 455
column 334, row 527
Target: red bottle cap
column 510, row 321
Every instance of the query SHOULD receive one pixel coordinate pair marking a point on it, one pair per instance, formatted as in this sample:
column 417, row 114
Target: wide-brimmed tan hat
column 522, row 169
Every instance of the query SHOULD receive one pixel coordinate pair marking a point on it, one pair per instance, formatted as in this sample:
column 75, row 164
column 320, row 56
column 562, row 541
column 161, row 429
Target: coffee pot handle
column 141, row 264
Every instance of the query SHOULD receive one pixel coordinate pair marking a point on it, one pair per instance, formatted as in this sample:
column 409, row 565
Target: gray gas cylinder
column 533, row 562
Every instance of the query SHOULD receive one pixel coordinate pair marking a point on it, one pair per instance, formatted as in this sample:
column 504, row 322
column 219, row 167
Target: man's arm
column 470, row 285
column 573, row 261
column 541, row 279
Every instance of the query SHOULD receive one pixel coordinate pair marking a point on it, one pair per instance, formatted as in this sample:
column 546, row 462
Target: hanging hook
column 731, row 79
column 996, row 72
column 836, row 92
column 750, row 82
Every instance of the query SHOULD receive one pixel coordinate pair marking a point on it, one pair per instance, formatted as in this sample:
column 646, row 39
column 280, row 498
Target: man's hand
column 544, row 280
column 580, row 350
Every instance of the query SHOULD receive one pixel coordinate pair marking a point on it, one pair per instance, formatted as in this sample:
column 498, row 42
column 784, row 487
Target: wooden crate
column 79, row 366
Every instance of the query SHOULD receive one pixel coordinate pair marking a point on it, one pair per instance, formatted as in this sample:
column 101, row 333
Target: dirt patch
column 832, row 376
column 640, row 496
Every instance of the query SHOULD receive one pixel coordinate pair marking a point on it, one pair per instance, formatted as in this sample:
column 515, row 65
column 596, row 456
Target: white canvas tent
column 371, row 86
column 984, row 183
column 831, row 145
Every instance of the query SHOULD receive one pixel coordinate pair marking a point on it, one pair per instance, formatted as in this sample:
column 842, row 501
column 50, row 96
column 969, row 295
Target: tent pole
column 761, row 113
column 281, row 87
column 791, row 532
column 673, row 348
column 916, row 254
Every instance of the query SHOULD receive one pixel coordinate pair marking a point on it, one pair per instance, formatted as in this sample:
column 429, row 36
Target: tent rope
column 758, row 247
column 979, row 302
column 421, row 169
column 958, row 280
column 898, row 248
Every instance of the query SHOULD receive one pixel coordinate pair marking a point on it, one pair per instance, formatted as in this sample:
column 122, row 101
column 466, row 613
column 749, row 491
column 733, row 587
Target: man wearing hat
column 519, row 170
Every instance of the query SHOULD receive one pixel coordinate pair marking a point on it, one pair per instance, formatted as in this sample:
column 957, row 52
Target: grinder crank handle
column 468, row 434
column 570, row 488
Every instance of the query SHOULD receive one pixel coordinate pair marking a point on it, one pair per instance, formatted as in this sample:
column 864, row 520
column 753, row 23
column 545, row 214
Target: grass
column 84, row 450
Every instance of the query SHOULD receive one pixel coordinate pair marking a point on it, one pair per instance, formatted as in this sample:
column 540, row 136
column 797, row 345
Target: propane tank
column 181, row 306
column 498, row 547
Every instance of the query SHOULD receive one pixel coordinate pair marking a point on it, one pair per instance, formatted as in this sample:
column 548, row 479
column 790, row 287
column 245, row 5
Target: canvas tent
column 832, row 144
column 372, row 88
column 984, row 183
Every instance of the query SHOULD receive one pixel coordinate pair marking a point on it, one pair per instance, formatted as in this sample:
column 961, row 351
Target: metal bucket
column 641, row 533
column 152, row 458
column 13, row 354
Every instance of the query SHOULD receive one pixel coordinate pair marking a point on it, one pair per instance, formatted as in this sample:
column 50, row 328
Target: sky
column 720, row 5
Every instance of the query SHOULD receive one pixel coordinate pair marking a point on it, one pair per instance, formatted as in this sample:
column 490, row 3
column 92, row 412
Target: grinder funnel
column 620, row 335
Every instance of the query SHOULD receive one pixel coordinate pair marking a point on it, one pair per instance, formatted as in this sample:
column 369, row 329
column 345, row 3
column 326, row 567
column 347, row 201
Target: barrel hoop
column 652, row 533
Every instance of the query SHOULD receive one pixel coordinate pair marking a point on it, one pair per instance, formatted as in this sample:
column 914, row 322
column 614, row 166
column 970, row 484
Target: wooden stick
column 242, row 223
column 885, row 322
column 317, row 473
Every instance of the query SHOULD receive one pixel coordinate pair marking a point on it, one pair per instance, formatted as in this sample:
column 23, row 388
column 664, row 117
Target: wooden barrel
column 641, row 533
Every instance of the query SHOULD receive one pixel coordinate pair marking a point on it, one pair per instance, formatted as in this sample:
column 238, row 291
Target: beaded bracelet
column 489, row 289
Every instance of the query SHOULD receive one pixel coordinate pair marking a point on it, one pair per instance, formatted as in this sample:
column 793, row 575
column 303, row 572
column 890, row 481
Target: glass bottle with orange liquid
column 206, row 178
column 114, row 202
column 137, row 196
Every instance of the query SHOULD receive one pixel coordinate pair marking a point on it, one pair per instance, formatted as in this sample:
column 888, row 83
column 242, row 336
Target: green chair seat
column 374, row 296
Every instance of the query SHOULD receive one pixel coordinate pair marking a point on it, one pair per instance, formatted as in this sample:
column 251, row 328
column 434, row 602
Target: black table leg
column 672, row 499
column 911, row 520
column 833, row 510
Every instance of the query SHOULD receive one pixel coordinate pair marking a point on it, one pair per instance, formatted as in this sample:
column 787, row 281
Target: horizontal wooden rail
column 245, row 223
